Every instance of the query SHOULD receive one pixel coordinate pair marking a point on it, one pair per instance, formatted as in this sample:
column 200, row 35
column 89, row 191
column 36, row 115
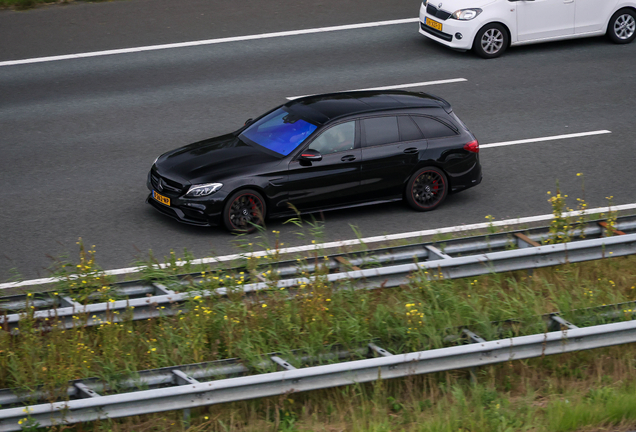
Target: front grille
column 434, row 32
column 437, row 13
column 166, row 186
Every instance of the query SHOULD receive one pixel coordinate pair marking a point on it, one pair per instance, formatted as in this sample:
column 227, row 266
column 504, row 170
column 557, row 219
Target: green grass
column 586, row 391
column 417, row 316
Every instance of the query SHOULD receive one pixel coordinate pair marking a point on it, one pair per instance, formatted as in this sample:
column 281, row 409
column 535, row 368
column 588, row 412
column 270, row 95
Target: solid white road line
column 343, row 243
column 210, row 41
column 398, row 86
column 550, row 138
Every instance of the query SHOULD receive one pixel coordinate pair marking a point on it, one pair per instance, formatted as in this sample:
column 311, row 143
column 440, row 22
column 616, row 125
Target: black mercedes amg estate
column 318, row 153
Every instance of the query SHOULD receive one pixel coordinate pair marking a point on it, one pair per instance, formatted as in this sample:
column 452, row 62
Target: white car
column 489, row 27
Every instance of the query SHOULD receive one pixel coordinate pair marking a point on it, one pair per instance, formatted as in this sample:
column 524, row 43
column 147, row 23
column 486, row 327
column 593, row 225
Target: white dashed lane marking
column 209, row 42
column 399, row 86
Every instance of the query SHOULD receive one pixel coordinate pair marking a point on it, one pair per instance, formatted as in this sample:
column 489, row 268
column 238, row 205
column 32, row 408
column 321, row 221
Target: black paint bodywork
column 364, row 175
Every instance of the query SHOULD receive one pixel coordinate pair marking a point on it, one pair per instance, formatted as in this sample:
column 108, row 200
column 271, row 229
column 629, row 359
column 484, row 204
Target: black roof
column 326, row 107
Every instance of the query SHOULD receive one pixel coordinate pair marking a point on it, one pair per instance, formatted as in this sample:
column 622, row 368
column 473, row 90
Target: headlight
column 156, row 159
column 465, row 14
column 425, row 2
column 203, row 189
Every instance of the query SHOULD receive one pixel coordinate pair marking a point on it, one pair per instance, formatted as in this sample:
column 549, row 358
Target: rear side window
column 380, row 130
column 433, row 128
column 408, row 130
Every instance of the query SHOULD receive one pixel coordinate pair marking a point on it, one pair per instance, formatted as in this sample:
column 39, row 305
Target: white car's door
column 542, row 19
column 591, row 15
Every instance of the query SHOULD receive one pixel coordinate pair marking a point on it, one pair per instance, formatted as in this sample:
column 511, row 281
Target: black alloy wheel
column 244, row 211
column 491, row 41
column 426, row 189
column 622, row 26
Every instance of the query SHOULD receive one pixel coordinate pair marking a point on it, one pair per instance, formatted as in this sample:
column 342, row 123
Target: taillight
column 472, row 146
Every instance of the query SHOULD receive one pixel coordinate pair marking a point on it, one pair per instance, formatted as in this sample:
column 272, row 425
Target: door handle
column 348, row 158
column 411, row 150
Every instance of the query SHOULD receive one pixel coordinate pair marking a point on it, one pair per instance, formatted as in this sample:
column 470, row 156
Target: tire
column 491, row 41
column 243, row 211
column 622, row 26
column 426, row 189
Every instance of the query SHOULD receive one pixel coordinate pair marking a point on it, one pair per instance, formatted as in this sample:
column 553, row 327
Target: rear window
column 408, row 130
column 433, row 128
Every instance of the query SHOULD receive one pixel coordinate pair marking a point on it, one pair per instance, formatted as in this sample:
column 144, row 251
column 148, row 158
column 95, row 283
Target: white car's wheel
column 491, row 41
column 622, row 26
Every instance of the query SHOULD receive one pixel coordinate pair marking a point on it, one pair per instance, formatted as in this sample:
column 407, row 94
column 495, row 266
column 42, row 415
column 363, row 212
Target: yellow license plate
column 434, row 24
column 162, row 199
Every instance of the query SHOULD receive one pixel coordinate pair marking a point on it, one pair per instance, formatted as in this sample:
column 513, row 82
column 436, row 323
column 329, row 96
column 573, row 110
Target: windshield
column 279, row 131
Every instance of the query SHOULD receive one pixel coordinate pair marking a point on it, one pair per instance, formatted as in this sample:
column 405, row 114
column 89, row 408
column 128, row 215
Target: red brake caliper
column 254, row 208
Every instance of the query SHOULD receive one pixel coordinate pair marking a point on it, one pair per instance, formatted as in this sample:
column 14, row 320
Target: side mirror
column 249, row 121
column 309, row 156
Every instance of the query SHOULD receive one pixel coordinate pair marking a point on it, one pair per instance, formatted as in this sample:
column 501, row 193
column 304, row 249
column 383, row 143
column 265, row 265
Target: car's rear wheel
column 491, row 41
column 426, row 189
column 622, row 26
column 244, row 211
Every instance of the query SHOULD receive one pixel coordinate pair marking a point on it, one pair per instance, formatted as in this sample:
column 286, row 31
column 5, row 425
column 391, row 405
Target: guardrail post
column 161, row 289
column 181, row 378
column 523, row 241
column 474, row 338
column 435, row 254
column 282, row 363
column 85, row 392
column 561, row 324
column 378, row 350
column 66, row 301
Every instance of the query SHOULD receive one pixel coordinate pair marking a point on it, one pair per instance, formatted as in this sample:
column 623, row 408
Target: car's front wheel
column 622, row 26
column 244, row 211
column 426, row 189
column 491, row 41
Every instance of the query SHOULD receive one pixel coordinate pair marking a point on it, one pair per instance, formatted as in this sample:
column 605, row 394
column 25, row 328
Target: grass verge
column 586, row 391
column 414, row 317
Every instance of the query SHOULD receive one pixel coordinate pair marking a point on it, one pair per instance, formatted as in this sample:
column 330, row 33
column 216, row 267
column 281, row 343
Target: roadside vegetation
column 589, row 390
column 417, row 316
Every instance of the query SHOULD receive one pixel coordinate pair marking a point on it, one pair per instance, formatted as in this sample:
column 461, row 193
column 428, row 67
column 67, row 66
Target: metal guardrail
column 237, row 367
column 191, row 393
column 159, row 300
column 339, row 262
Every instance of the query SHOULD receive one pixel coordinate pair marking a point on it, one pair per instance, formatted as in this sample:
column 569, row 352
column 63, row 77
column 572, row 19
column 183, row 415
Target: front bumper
column 196, row 211
column 186, row 214
column 450, row 28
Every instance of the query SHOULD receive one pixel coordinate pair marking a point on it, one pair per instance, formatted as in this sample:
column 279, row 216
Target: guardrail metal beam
column 382, row 277
column 319, row 377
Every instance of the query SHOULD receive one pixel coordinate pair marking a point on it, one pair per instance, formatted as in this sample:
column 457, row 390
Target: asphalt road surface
column 77, row 137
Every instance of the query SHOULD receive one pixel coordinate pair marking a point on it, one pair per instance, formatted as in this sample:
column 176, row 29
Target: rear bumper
column 466, row 180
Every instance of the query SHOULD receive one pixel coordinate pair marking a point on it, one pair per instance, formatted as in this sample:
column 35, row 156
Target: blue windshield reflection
column 279, row 131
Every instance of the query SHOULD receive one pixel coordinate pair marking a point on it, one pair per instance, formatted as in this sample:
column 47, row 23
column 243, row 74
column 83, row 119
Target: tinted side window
column 433, row 128
column 380, row 130
column 335, row 139
column 408, row 130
